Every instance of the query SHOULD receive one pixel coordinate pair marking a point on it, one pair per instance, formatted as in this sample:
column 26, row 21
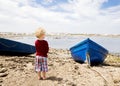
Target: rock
column 3, row 74
column 74, row 85
column 1, row 65
column 50, row 64
column 79, row 73
column 1, row 80
column 13, row 66
column 3, row 70
column 71, row 84
column 76, row 67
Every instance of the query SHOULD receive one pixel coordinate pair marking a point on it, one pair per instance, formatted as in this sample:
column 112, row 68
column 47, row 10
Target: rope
column 106, row 82
column 88, row 59
column 88, row 64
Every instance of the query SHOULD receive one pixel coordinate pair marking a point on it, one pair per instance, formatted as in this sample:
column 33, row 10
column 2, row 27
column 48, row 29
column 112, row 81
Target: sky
column 60, row 16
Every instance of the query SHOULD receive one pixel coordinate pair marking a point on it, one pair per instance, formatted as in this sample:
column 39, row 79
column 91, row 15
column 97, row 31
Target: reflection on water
column 111, row 44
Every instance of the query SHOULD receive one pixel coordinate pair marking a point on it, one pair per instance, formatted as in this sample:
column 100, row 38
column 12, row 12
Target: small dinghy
column 10, row 47
column 89, row 51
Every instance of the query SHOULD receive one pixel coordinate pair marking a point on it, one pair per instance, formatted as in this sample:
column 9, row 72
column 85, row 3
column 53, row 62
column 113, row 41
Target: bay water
column 112, row 44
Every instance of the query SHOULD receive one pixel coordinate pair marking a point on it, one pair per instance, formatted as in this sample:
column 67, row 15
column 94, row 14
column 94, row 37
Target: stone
column 1, row 80
column 3, row 74
column 3, row 70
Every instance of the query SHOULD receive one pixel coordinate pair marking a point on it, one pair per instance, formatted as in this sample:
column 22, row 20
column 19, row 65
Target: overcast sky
column 72, row 16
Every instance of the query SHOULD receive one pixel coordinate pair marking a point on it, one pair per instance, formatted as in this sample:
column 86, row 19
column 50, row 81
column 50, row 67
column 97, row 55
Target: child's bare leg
column 39, row 75
column 44, row 75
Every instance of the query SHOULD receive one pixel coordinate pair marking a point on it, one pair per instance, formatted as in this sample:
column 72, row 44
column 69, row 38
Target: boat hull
column 10, row 47
column 89, row 49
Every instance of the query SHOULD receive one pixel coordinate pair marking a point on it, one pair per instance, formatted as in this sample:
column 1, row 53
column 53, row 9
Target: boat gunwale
column 30, row 48
column 88, row 41
column 14, row 42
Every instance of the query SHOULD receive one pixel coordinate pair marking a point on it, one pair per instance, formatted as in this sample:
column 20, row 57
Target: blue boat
column 10, row 47
column 89, row 51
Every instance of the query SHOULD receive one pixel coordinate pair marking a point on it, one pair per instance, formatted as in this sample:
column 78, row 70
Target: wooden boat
column 10, row 47
column 89, row 51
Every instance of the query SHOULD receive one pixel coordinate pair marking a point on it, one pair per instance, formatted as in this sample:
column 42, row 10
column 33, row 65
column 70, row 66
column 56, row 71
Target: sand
column 63, row 71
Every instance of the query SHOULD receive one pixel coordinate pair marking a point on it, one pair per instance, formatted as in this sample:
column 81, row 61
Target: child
column 42, row 49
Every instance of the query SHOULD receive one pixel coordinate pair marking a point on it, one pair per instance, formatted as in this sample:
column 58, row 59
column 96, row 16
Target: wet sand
column 63, row 71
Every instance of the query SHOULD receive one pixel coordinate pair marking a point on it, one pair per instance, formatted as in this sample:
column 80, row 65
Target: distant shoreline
column 12, row 34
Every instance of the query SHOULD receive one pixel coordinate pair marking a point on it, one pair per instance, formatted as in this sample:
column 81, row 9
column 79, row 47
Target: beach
column 79, row 38
column 63, row 71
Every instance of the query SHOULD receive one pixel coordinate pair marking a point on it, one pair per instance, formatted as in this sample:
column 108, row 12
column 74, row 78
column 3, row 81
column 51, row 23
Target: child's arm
column 46, row 47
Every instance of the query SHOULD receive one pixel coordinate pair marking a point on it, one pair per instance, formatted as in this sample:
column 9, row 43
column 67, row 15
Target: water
column 110, row 43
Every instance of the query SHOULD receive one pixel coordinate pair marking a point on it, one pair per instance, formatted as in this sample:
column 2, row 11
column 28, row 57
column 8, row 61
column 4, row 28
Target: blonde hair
column 39, row 32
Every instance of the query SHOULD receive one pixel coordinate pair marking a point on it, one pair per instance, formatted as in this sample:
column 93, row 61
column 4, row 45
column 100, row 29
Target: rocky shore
column 63, row 71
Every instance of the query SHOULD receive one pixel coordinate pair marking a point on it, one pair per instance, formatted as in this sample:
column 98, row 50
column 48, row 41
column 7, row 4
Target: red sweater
column 42, row 48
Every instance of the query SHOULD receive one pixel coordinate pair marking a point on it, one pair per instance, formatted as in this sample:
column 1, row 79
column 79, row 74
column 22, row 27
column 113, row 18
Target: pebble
column 71, row 84
column 3, row 70
column 76, row 67
column 3, row 74
column 1, row 80
column 1, row 65
column 50, row 64
column 13, row 67
column 79, row 73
